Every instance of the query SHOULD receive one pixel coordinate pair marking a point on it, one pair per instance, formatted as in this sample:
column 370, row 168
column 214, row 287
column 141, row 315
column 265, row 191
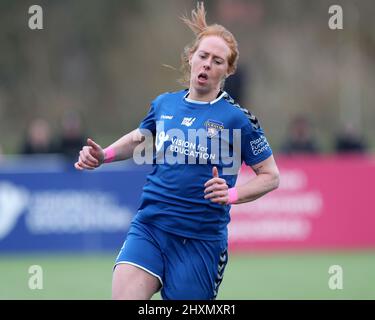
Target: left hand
column 216, row 189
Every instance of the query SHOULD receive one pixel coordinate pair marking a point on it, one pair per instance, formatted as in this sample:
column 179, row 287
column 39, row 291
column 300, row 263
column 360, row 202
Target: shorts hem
column 143, row 268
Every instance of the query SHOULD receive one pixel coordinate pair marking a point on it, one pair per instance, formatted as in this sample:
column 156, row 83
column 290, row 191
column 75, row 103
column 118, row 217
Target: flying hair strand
column 197, row 23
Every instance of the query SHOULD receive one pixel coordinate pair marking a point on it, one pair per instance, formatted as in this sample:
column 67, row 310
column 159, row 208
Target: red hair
column 199, row 26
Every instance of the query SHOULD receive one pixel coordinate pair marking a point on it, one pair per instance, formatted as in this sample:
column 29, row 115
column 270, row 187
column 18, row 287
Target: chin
column 202, row 89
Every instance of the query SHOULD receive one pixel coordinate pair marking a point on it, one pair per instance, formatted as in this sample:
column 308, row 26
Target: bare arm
column 266, row 180
column 124, row 147
column 92, row 155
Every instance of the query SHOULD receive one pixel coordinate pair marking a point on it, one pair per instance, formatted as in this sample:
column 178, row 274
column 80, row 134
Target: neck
column 199, row 96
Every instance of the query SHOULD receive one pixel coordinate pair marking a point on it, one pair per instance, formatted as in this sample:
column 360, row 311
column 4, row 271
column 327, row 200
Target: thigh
column 133, row 283
column 139, row 268
column 194, row 269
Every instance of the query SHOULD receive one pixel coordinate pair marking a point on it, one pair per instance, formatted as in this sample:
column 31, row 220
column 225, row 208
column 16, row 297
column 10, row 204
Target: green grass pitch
column 285, row 275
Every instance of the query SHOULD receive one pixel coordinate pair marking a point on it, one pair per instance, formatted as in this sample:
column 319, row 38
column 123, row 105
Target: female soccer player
column 177, row 241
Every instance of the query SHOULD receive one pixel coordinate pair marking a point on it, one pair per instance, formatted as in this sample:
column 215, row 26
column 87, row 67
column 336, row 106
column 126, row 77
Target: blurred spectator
column 244, row 12
column 235, row 84
column 349, row 140
column 38, row 139
column 72, row 138
column 300, row 139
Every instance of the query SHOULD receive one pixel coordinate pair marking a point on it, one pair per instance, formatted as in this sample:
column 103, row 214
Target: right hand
column 90, row 157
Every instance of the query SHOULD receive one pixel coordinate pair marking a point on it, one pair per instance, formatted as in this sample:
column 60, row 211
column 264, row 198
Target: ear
column 190, row 58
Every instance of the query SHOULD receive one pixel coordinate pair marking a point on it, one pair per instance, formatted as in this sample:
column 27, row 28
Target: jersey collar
column 220, row 95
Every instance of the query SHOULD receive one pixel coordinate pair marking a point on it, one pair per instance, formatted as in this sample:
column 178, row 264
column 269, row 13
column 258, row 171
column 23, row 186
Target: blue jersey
column 190, row 138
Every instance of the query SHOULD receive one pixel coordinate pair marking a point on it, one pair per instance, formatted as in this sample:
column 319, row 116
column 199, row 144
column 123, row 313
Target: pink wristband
column 232, row 195
column 109, row 154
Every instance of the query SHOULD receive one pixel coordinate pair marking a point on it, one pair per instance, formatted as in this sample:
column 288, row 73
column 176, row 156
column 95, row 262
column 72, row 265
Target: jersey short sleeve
column 255, row 147
column 149, row 122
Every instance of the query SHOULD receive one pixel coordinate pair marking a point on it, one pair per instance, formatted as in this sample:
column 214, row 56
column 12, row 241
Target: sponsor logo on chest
column 187, row 121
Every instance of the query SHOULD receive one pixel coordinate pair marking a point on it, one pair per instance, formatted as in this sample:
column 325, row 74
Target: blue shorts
column 187, row 269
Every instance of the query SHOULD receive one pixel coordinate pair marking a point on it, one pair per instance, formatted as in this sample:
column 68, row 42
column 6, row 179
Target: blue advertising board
column 44, row 208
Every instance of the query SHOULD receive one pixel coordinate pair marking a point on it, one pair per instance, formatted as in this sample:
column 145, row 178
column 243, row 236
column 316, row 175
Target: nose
column 207, row 64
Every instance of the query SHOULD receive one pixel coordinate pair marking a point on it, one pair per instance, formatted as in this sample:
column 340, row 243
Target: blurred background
column 93, row 70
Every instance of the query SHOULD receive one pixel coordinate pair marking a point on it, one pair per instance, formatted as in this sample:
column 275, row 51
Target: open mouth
column 202, row 77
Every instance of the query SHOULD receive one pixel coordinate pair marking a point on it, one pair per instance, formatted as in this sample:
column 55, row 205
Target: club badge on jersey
column 213, row 127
